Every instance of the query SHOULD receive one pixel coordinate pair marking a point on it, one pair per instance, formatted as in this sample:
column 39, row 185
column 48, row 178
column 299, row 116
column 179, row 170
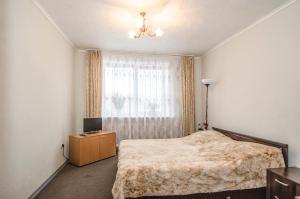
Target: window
column 139, row 87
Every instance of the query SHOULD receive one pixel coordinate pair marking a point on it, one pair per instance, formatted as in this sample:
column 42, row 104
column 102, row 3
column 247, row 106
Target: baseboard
column 36, row 192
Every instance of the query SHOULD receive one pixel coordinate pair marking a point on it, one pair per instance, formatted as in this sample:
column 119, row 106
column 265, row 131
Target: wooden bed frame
column 246, row 138
column 257, row 193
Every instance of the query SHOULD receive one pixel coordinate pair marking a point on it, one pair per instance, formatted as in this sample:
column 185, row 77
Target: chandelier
column 144, row 29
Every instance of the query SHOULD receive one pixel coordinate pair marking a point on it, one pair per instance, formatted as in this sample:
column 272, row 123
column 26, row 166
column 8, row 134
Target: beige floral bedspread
column 203, row 162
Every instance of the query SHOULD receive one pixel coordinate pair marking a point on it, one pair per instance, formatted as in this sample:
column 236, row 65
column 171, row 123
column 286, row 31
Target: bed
column 205, row 165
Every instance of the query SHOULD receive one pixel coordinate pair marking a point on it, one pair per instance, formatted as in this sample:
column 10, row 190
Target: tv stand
column 91, row 147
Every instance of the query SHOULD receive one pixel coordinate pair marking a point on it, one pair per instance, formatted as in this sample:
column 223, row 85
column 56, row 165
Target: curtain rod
column 139, row 53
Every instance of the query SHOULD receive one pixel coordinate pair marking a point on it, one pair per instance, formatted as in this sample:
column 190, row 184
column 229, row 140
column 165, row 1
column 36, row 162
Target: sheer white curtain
column 142, row 96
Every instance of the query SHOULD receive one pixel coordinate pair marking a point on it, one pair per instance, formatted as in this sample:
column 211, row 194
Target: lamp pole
column 207, row 82
column 206, row 111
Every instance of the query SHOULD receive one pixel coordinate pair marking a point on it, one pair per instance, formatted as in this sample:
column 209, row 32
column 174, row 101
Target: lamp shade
column 208, row 81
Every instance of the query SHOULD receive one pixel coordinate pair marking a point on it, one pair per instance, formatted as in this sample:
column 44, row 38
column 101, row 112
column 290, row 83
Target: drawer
column 281, row 188
column 298, row 190
column 236, row 194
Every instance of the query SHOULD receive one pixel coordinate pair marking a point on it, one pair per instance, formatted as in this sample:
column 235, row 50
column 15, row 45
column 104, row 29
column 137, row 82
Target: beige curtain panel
column 93, row 84
column 188, row 95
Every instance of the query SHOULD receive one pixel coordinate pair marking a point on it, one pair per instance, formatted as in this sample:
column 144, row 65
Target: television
column 92, row 125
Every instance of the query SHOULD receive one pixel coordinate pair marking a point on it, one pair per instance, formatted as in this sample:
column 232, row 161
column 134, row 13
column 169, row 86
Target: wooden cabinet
column 283, row 183
column 91, row 147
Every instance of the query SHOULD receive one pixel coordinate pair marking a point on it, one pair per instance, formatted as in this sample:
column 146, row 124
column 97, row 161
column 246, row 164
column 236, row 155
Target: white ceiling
column 190, row 26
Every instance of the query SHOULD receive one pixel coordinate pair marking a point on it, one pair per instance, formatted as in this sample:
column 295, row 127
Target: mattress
column 203, row 162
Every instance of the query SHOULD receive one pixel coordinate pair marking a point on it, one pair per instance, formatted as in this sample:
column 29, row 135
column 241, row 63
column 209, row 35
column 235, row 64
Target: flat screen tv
column 92, row 125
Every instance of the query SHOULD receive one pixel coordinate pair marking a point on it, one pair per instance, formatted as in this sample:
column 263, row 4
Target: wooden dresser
column 91, row 147
column 283, row 183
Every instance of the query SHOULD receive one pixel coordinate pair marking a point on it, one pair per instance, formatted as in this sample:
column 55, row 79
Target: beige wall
column 80, row 63
column 37, row 98
column 258, row 81
column 198, row 89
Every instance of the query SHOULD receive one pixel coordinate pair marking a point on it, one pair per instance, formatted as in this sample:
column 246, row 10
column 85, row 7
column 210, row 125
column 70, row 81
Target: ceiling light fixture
column 143, row 29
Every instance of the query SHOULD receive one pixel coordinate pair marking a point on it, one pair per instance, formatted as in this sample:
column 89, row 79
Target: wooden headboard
column 247, row 138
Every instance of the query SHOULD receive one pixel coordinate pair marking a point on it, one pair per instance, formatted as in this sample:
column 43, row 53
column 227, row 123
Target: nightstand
column 283, row 183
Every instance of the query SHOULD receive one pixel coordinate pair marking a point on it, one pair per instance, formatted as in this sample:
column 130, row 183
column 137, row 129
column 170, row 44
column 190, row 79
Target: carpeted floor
column 93, row 181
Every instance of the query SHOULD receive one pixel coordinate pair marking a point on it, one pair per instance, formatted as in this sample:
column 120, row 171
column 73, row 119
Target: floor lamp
column 206, row 82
